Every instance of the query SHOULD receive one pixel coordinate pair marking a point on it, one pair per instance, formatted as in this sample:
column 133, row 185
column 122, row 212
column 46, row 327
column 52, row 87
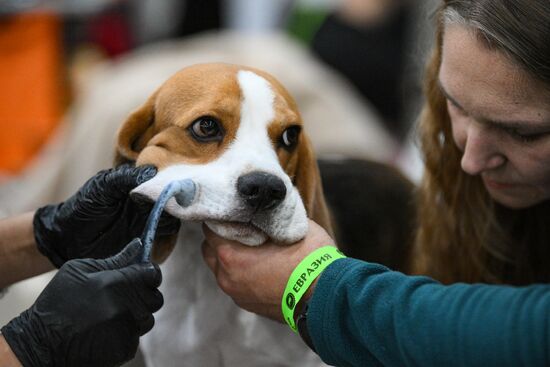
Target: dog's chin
column 245, row 233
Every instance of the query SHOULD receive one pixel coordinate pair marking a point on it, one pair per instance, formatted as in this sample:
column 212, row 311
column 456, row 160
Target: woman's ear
column 308, row 181
column 135, row 132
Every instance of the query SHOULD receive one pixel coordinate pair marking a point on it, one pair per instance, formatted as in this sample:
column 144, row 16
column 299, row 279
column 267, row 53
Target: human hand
column 256, row 277
column 99, row 219
column 92, row 313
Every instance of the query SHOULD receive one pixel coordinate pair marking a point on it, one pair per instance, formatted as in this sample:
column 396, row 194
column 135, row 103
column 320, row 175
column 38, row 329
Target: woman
column 483, row 204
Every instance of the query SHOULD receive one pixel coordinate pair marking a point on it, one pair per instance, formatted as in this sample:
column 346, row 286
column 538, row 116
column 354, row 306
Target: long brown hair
column 463, row 235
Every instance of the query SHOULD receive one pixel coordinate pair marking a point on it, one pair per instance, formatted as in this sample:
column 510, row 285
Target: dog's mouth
column 223, row 211
column 244, row 232
column 243, row 228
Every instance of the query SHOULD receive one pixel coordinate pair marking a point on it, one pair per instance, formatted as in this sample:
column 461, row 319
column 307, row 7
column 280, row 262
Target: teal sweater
column 363, row 314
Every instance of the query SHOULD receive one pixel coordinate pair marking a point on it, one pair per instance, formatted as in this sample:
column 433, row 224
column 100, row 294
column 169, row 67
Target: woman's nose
column 481, row 151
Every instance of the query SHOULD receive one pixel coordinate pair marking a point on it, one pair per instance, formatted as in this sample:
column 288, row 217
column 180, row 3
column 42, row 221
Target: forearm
column 7, row 358
column 365, row 314
column 19, row 256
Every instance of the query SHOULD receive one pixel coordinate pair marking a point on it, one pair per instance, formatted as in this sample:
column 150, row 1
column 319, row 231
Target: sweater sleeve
column 364, row 314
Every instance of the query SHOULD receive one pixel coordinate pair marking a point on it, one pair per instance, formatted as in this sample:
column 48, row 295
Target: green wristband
column 302, row 277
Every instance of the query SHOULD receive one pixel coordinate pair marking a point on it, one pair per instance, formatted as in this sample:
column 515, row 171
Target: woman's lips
column 497, row 184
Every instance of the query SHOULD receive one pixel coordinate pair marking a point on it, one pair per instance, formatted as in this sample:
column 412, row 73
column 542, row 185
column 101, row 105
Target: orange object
column 31, row 93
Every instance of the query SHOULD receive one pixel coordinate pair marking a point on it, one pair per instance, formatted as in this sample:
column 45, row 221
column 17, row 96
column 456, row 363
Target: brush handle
column 184, row 192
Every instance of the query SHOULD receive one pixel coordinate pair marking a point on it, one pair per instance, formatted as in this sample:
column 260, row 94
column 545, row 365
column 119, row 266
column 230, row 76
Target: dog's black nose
column 261, row 190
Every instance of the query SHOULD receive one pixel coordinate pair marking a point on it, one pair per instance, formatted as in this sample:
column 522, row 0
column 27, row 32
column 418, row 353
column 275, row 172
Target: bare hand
column 255, row 277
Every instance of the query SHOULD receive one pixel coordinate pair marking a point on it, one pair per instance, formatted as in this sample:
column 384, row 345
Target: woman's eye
column 206, row 129
column 290, row 136
column 524, row 138
column 452, row 107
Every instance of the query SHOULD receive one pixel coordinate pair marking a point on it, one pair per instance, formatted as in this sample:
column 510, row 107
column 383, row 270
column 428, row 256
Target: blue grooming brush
column 184, row 192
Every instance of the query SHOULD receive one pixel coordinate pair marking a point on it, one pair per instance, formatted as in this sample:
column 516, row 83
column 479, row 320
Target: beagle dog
column 238, row 134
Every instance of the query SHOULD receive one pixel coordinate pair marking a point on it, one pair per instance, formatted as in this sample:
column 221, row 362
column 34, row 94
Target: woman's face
column 500, row 119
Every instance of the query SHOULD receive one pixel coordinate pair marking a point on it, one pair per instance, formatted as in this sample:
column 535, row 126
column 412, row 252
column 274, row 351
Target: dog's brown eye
column 206, row 129
column 290, row 137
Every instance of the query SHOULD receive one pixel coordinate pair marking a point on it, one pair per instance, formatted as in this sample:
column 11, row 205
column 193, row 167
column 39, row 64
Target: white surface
column 21, row 296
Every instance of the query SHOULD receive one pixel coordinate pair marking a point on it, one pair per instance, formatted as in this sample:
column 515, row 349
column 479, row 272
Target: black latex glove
column 99, row 219
column 92, row 313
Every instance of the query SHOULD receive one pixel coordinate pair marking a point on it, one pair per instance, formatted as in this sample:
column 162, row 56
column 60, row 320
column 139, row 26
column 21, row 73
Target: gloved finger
column 144, row 302
column 151, row 275
column 157, row 301
column 109, row 187
column 125, row 178
column 148, row 275
column 150, row 300
column 144, row 279
column 130, row 344
column 146, row 325
column 114, row 184
column 124, row 258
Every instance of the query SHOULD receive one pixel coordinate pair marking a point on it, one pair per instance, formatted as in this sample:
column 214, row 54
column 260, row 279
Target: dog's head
column 238, row 134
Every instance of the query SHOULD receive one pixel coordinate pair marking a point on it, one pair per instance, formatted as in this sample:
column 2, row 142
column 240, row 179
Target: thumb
column 124, row 258
column 125, row 178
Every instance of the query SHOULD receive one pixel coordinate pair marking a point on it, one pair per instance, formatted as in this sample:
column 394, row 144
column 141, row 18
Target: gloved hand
column 99, row 218
column 91, row 313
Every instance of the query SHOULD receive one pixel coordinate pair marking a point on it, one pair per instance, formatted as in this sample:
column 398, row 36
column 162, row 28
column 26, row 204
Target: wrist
column 301, row 315
column 24, row 337
column 305, row 298
column 302, row 325
column 19, row 256
column 46, row 234
column 303, row 279
column 7, row 357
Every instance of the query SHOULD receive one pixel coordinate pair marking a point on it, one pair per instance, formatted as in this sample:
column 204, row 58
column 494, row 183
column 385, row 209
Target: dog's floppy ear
column 133, row 136
column 135, row 132
column 163, row 247
column 308, row 181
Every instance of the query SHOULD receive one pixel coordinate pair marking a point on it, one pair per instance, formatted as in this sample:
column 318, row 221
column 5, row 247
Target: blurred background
column 72, row 70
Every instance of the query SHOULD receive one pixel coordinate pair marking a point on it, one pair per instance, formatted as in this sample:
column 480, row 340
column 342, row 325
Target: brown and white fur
column 199, row 325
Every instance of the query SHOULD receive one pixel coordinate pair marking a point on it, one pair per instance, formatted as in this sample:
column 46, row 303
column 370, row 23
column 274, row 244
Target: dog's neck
column 201, row 326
